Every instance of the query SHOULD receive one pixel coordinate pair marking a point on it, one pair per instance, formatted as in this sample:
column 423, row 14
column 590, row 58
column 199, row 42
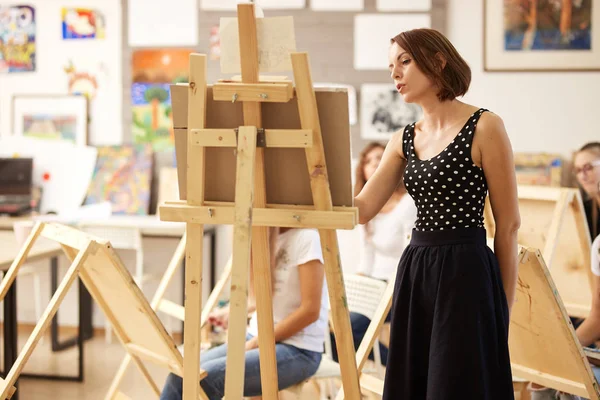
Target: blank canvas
column 403, row 5
column 337, row 5
column 172, row 25
column 372, row 34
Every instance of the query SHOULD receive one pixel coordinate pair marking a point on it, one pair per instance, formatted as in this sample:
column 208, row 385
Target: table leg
column 11, row 344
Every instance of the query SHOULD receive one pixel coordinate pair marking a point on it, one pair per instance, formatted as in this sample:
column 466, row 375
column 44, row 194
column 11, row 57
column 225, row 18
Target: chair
column 364, row 296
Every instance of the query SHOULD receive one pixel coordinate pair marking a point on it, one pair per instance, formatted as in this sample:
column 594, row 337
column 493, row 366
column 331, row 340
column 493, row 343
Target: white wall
column 102, row 58
column 543, row 112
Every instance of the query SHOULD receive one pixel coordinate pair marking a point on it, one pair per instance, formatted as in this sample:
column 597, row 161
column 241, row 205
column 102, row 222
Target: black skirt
column 449, row 326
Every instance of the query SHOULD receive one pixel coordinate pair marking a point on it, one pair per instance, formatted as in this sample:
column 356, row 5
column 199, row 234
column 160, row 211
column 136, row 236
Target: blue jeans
column 294, row 365
column 359, row 324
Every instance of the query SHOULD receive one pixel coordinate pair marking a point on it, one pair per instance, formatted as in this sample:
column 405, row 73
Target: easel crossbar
column 292, row 218
column 254, row 92
column 282, row 138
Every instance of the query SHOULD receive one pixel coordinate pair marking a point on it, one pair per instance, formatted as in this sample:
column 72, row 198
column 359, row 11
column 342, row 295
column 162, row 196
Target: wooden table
column 43, row 249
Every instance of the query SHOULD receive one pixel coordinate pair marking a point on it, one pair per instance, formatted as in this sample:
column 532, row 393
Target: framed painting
column 541, row 35
column 51, row 117
column 383, row 111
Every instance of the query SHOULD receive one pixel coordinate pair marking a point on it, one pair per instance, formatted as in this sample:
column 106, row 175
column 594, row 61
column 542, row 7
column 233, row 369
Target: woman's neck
column 440, row 115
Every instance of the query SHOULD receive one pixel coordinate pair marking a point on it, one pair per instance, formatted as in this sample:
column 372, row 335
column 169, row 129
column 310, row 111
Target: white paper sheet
column 403, row 5
column 281, row 4
column 63, row 170
column 276, row 39
column 372, row 34
column 337, row 5
column 172, row 25
column 218, row 5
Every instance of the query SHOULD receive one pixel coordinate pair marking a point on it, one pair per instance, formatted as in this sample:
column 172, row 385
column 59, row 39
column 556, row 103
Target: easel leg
column 43, row 323
column 260, row 238
column 242, row 239
column 319, row 182
column 193, row 301
column 12, row 272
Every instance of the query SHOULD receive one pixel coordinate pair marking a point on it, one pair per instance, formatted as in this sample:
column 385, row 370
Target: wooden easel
column 175, row 310
column 552, row 219
column 544, row 348
column 249, row 212
column 111, row 285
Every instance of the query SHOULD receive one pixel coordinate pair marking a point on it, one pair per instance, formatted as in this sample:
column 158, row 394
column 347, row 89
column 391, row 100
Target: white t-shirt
column 596, row 256
column 382, row 249
column 293, row 248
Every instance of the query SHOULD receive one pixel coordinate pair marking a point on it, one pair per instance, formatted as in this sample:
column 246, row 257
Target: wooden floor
column 100, row 363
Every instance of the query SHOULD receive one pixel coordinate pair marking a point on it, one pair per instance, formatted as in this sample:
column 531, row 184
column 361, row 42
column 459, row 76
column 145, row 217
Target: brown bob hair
column 438, row 59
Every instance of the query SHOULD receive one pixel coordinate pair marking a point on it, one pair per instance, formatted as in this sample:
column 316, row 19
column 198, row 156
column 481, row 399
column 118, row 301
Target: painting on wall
column 82, row 23
column 17, row 39
column 383, row 112
column 153, row 72
column 51, row 117
column 122, row 177
column 538, row 35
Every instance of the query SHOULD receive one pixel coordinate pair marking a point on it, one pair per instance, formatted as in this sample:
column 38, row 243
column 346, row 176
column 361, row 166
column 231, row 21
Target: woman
column 453, row 296
column 300, row 310
column 381, row 239
column 586, row 166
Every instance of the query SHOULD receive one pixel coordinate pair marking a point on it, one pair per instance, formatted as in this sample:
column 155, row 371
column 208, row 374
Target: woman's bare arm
column 380, row 187
column 499, row 170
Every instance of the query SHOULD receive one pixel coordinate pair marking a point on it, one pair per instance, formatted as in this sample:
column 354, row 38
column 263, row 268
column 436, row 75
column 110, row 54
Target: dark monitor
column 16, row 176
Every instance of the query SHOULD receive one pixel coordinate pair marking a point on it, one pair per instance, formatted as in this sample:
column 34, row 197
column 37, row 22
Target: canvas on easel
column 544, row 348
column 553, row 220
column 254, row 153
column 112, row 287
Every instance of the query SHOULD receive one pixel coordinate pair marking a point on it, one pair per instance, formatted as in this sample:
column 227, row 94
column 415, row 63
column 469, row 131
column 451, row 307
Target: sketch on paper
column 383, row 111
column 17, row 39
column 82, row 23
column 276, row 39
column 153, row 73
column 547, row 25
column 122, row 177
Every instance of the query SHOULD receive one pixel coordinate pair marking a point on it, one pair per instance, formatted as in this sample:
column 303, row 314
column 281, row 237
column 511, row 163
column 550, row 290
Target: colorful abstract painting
column 548, row 24
column 17, row 39
column 153, row 72
column 50, row 126
column 82, row 23
column 122, row 176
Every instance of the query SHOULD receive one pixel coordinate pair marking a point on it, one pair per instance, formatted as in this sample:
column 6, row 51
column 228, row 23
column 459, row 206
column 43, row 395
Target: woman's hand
column 219, row 317
column 252, row 344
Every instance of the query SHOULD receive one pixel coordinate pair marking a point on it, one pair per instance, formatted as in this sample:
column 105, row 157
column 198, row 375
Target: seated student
column 300, row 313
column 381, row 239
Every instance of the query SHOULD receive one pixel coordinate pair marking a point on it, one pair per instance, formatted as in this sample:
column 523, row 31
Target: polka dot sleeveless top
column 449, row 190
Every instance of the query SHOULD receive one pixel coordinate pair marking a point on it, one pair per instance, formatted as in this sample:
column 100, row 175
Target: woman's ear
column 441, row 61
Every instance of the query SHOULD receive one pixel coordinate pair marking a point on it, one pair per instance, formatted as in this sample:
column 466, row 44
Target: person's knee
column 173, row 389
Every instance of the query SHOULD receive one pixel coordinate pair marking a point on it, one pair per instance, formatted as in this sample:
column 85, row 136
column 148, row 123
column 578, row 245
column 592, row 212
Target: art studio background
column 91, row 80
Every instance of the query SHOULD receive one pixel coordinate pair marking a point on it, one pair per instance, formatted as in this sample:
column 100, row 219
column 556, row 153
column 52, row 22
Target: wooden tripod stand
column 249, row 212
